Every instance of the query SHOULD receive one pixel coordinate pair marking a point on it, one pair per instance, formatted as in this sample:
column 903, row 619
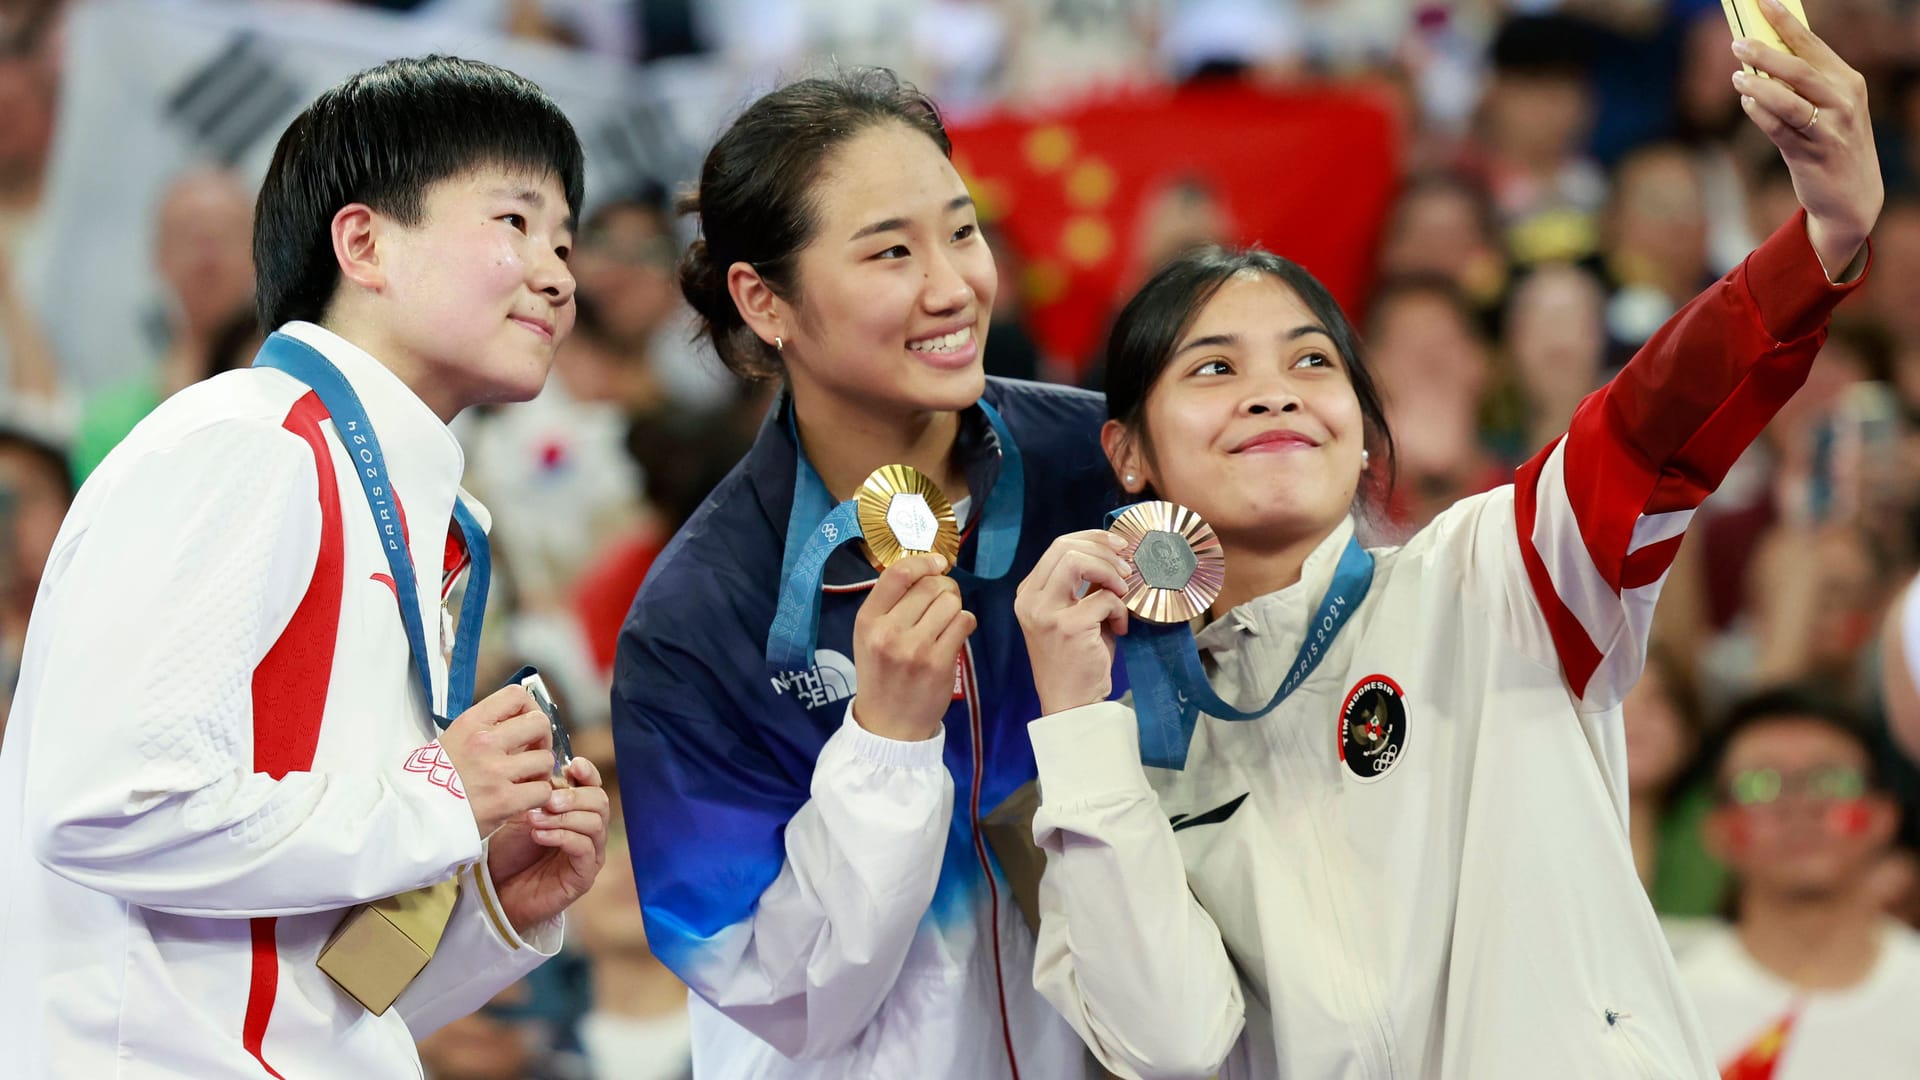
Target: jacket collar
column 423, row 457
column 772, row 462
column 1280, row 617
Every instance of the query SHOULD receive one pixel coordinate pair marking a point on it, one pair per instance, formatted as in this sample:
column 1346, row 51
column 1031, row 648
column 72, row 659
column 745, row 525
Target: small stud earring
column 1129, row 479
column 778, row 345
column 1365, row 457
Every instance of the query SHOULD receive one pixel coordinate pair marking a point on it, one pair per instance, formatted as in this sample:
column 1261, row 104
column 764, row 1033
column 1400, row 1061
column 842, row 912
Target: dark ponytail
column 755, row 203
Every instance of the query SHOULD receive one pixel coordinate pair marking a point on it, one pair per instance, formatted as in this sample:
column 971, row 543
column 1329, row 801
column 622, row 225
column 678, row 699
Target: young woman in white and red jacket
column 1416, row 864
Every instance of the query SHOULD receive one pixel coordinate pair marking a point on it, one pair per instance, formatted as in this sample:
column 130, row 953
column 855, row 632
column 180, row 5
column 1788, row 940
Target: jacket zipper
column 1381, row 1043
column 971, row 689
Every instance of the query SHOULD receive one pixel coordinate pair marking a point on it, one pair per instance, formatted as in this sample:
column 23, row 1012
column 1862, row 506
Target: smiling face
column 1254, row 423
column 1797, row 817
column 896, row 286
column 475, row 298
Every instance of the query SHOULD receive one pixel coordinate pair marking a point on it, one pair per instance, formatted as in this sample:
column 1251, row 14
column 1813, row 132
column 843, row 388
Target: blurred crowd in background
column 1562, row 175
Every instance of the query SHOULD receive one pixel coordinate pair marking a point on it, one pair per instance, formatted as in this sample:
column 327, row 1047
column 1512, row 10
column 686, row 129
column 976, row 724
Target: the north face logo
column 831, row 679
column 432, row 762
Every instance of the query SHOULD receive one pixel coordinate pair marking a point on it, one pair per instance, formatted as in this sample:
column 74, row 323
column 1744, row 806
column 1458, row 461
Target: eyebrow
column 1230, row 340
column 894, row 224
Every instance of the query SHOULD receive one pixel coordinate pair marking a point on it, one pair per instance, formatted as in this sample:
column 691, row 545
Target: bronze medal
column 903, row 513
column 1176, row 564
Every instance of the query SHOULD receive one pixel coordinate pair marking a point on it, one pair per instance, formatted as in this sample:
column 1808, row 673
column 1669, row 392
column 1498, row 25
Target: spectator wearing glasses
column 1811, row 979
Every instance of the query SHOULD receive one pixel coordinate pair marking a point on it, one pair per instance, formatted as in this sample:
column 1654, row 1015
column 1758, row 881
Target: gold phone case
column 1747, row 21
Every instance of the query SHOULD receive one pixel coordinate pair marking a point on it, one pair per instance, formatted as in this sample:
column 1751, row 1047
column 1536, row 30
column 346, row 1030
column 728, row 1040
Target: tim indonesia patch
column 1373, row 727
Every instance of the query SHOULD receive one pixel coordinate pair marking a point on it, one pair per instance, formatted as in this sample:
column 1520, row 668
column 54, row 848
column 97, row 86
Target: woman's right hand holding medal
column 906, row 647
column 1070, row 610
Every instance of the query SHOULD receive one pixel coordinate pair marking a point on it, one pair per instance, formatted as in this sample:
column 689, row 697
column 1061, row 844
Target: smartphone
column 1748, row 21
column 530, row 680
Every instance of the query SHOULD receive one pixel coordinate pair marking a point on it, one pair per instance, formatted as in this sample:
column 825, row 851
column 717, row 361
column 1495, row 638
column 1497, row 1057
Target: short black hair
column 1818, row 702
column 756, row 202
column 1149, row 328
column 384, row 137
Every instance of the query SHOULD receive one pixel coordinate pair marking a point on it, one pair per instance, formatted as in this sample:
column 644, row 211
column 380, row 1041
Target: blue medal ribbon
column 305, row 363
column 1170, row 688
column 816, row 528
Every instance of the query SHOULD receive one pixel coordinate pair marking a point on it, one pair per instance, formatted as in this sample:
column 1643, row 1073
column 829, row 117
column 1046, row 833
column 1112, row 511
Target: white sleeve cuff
column 880, row 750
column 1087, row 753
column 543, row 939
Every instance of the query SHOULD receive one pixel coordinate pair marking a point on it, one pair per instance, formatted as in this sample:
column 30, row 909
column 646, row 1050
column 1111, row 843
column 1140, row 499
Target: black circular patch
column 1373, row 727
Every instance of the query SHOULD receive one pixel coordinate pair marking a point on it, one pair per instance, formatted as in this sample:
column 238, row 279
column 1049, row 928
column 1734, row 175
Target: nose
column 944, row 290
column 552, row 278
column 1269, row 395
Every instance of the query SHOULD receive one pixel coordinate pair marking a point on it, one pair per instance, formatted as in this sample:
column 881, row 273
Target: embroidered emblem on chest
column 1373, row 727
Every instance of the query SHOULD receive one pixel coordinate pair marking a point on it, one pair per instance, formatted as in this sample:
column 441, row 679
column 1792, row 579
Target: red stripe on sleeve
column 1645, row 566
column 290, row 692
column 1579, row 657
column 1661, row 436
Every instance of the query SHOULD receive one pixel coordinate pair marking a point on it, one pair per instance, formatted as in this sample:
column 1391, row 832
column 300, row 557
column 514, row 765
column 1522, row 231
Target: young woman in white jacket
column 1416, row 863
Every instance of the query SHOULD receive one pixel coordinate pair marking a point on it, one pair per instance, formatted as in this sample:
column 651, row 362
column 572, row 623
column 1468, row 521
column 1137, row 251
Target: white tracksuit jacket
column 1418, row 865
column 218, row 747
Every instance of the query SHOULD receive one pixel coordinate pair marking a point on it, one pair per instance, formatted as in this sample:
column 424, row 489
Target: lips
column 538, row 326
column 1276, row 440
column 945, row 341
column 950, row 348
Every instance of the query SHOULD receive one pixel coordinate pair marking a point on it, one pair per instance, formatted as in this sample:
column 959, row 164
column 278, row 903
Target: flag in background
column 1088, row 198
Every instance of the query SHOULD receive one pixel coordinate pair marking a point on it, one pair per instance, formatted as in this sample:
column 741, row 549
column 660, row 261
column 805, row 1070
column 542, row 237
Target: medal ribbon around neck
column 1177, row 571
column 306, row 364
column 816, row 528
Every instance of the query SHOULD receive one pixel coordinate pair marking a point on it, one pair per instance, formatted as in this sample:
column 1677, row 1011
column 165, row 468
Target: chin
column 1282, row 508
column 947, row 391
column 514, row 385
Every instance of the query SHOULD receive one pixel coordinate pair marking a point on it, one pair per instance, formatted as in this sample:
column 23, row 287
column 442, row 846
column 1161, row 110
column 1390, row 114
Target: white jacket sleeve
column 808, row 971
column 479, row 955
column 140, row 778
column 1126, row 953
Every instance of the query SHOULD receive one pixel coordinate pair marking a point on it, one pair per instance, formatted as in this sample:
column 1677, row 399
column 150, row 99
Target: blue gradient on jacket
column 716, row 757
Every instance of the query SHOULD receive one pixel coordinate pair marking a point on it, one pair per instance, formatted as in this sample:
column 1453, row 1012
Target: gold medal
column 903, row 513
column 1177, row 567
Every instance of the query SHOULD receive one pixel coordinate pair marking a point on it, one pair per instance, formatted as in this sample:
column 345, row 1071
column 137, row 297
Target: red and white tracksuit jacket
column 218, row 746
column 1418, row 865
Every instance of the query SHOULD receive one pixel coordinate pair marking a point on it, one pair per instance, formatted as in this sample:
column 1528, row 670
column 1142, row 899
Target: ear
column 356, row 246
column 768, row 316
column 1127, row 457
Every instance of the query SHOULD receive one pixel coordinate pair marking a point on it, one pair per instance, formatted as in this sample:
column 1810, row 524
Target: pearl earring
column 1365, row 457
column 1129, row 479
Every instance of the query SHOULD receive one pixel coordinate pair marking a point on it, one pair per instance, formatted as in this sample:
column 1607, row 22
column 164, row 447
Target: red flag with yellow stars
column 1759, row 1059
column 1085, row 195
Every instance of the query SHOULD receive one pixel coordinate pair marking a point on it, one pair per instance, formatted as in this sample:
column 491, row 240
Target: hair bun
column 704, row 284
